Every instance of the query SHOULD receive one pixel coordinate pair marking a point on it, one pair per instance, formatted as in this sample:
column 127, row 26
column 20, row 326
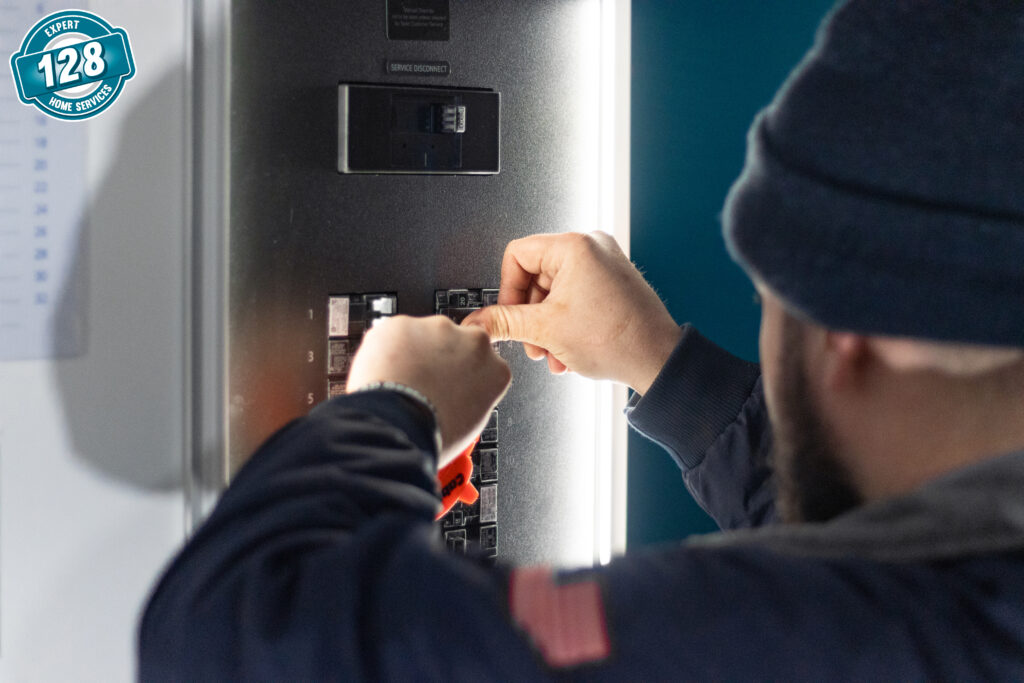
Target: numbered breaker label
column 474, row 527
column 349, row 316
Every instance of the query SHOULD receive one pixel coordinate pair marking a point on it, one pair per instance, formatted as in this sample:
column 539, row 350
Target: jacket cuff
column 698, row 393
column 413, row 418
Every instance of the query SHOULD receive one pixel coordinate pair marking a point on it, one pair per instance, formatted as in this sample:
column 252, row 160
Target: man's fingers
column 536, row 293
column 509, row 323
column 606, row 241
column 534, row 352
column 528, row 261
column 483, row 318
column 556, row 366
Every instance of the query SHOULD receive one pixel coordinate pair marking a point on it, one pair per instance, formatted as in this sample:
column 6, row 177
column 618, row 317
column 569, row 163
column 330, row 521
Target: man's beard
column 813, row 485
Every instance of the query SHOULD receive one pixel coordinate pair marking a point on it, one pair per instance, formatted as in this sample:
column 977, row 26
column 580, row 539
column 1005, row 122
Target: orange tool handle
column 453, row 480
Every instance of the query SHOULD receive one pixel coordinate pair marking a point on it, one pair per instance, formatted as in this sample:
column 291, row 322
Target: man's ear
column 844, row 359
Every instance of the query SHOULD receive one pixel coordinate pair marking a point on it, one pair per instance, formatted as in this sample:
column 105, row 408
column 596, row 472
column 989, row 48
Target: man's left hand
column 454, row 367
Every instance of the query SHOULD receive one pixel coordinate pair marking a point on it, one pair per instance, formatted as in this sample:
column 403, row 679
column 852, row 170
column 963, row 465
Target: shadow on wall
column 123, row 399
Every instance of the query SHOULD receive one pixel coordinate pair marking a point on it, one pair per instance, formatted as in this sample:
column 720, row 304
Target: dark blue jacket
column 321, row 562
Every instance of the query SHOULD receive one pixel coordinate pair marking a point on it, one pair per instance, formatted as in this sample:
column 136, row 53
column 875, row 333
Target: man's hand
column 576, row 300
column 455, row 368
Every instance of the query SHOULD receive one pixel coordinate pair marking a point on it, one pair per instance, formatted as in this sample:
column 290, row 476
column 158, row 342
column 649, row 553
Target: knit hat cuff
column 825, row 248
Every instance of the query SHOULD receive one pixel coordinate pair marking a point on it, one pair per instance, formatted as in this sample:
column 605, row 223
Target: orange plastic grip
column 453, row 480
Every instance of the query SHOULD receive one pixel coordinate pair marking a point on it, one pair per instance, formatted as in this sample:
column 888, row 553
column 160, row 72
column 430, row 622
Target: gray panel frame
column 297, row 231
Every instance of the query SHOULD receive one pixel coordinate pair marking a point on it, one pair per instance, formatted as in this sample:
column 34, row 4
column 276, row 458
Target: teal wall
column 701, row 70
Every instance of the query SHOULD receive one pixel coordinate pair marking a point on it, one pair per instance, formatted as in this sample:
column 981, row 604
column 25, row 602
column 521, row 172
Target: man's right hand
column 576, row 300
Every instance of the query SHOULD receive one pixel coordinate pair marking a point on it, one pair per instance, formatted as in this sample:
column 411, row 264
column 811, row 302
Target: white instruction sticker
column 337, row 316
column 488, row 504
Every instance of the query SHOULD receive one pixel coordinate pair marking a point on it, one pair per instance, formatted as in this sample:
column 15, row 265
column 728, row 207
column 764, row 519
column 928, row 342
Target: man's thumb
column 517, row 322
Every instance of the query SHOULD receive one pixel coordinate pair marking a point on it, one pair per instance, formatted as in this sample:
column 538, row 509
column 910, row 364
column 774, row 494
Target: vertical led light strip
column 613, row 218
column 604, row 205
column 585, row 412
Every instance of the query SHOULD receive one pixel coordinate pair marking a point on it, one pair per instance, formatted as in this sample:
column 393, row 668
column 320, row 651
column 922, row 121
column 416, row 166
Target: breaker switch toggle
column 452, row 118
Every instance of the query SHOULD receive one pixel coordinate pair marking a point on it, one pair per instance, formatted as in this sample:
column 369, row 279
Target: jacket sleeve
column 321, row 562
column 707, row 409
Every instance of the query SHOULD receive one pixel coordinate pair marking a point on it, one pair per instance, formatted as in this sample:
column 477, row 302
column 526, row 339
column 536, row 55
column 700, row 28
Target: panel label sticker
column 488, row 504
column 337, row 316
column 418, row 19
column 406, row 68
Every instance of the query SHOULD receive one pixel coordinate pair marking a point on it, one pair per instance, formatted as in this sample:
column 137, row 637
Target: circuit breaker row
column 458, row 303
column 349, row 317
column 476, row 526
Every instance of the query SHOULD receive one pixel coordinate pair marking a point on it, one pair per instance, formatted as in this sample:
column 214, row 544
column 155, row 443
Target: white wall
column 91, row 448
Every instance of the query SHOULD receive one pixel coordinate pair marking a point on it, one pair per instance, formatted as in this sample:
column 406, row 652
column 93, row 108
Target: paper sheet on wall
column 42, row 213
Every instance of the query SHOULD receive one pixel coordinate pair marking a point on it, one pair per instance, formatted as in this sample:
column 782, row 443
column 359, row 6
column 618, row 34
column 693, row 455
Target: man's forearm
column 706, row 408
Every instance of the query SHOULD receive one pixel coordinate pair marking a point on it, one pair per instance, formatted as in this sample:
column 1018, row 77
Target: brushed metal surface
column 299, row 230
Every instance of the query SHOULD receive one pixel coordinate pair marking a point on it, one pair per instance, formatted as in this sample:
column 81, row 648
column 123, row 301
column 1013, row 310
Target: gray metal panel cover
column 299, row 230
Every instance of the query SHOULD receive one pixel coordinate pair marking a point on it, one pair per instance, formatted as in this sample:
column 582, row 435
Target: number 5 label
column 72, row 65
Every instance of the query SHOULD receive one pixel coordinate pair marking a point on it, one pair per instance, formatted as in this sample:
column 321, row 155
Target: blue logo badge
column 72, row 65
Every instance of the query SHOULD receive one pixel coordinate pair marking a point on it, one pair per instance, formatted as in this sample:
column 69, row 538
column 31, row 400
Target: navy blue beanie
column 883, row 191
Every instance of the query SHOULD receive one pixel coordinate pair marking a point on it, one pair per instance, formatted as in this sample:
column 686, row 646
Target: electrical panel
column 363, row 176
